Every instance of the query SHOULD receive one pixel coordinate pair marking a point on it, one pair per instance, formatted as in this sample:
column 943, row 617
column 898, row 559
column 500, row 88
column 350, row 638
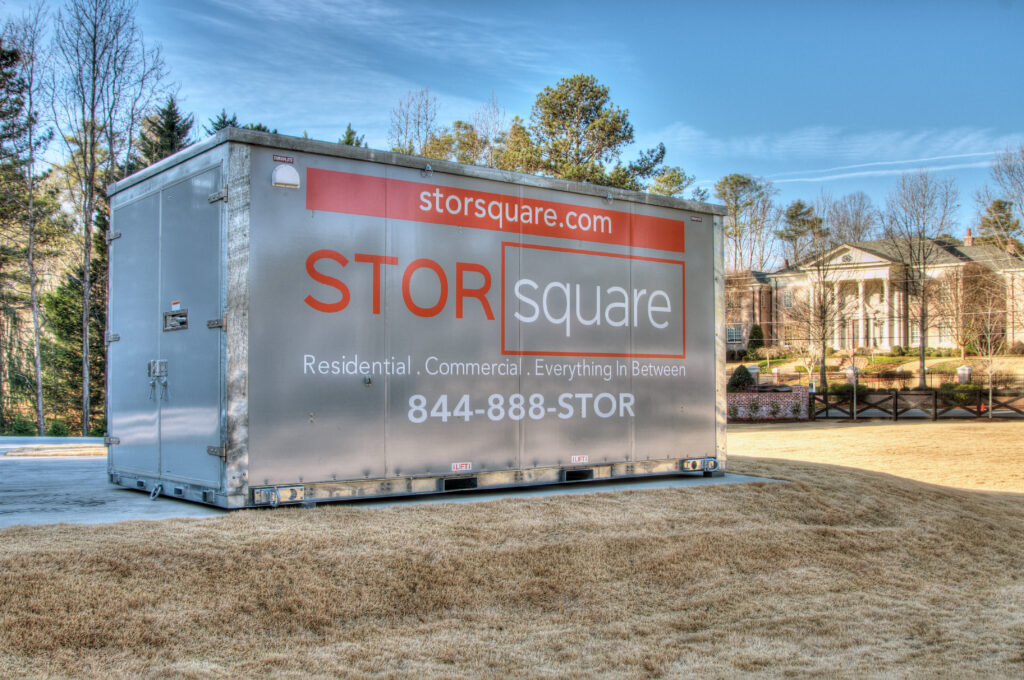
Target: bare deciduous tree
column 812, row 320
column 1007, row 172
column 854, row 218
column 26, row 35
column 989, row 326
column 751, row 221
column 959, row 293
column 413, row 122
column 104, row 76
column 920, row 208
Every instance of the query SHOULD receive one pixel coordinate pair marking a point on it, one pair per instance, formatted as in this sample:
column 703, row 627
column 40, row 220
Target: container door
column 191, row 335
column 133, row 405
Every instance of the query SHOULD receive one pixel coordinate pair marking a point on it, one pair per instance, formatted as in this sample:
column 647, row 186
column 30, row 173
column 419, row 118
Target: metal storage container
column 299, row 321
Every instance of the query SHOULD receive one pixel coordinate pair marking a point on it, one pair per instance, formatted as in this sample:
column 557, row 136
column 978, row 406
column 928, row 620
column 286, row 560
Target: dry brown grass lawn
column 55, row 450
column 837, row 572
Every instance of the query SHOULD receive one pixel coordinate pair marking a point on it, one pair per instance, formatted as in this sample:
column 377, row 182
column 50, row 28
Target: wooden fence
column 895, row 404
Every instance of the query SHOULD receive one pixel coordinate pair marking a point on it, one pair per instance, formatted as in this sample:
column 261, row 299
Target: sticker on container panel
column 175, row 305
column 284, row 159
column 580, row 459
column 462, row 467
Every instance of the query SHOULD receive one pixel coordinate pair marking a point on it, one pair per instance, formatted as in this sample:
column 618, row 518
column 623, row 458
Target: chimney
column 968, row 240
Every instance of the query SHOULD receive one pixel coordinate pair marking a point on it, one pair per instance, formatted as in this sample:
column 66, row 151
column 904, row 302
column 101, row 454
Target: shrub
column 794, row 409
column 755, row 407
column 960, row 393
column 734, row 411
column 740, row 380
column 755, row 340
column 845, row 389
column 1016, row 348
column 22, row 427
column 898, row 351
column 774, row 409
column 57, row 428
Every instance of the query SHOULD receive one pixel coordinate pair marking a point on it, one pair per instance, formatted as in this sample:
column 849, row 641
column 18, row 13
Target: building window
column 787, row 299
column 915, row 333
column 734, row 333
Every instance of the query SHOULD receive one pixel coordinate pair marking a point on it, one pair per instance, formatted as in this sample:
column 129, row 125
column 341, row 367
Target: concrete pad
column 75, row 490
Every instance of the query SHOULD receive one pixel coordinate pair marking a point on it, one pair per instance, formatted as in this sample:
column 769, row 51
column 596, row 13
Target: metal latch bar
column 221, row 195
column 219, row 451
column 111, row 337
column 113, row 236
column 111, row 441
column 215, row 323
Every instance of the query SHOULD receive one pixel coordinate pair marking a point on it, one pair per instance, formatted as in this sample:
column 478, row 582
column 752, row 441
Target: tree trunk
column 823, row 372
column 33, row 286
column 922, row 382
column 86, row 290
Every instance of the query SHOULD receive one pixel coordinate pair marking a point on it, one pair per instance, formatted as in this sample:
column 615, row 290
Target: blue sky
column 812, row 95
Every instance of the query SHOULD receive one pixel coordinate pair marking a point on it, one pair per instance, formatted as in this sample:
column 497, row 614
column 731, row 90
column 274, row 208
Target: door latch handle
column 152, row 389
column 163, row 388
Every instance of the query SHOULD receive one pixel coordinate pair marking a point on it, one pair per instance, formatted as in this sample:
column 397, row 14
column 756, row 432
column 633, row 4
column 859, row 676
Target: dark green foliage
column 164, row 133
column 259, row 127
column 220, row 122
column 58, row 428
column 22, row 427
column 740, row 380
column 799, row 224
column 845, row 389
column 963, row 394
column 756, row 339
column 998, row 224
column 577, row 132
column 62, row 356
column 12, row 104
column 898, row 351
column 1016, row 349
column 351, row 138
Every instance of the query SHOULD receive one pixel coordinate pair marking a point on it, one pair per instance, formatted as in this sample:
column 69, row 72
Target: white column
column 836, row 306
column 861, row 334
column 887, row 313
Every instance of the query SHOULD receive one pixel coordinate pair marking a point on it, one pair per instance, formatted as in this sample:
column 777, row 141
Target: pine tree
column 351, row 138
column 165, row 133
column 998, row 226
column 259, row 127
column 220, row 122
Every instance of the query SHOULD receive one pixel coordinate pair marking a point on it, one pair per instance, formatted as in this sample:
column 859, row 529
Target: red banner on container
column 353, row 194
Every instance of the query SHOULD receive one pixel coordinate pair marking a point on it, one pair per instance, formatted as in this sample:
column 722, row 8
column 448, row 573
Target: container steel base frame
column 326, row 492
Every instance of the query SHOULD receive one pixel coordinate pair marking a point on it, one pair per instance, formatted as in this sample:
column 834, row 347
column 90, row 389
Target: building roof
column 945, row 253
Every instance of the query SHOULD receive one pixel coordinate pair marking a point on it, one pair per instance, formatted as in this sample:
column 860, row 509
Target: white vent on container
column 286, row 176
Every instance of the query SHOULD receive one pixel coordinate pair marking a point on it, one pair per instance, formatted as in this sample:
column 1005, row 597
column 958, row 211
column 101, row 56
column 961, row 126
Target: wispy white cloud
column 836, row 144
column 882, row 172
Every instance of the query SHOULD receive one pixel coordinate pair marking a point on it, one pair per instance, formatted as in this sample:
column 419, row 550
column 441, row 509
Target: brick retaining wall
column 741, row 405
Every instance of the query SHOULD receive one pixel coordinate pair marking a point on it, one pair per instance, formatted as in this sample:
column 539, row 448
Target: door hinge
column 111, row 441
column 219, row 451
column 113, row 236
column 221, row 195
column 215, row 323
column 111, row 337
